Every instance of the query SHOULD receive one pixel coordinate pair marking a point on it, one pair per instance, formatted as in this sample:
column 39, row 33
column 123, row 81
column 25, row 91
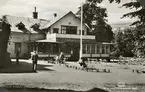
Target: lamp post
column 81, row 29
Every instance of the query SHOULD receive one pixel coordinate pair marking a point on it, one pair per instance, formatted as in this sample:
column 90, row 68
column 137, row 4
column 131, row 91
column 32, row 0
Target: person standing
column 57, row 59
column 17, row 56
column 34, row 60
column 61, row 58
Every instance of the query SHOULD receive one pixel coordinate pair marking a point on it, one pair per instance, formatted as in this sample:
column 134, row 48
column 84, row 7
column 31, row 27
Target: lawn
column 53, row 76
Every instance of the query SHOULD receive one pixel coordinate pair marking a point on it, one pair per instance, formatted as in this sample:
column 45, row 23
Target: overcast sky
column 46, row 8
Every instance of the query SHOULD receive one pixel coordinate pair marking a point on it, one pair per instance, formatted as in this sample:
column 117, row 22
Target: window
column 41, row 47
column 83, row 32
column 63, row 29
column 55, row 48
column 30, row 47
column 103, row 49
column 98, row 49
column 93, row 48
column 88, row 49
column 35, row 27
column 84, row 49
column 20, row 26
column 107, row 49
column 17, row 47
column 55, row 30
column 68, row 29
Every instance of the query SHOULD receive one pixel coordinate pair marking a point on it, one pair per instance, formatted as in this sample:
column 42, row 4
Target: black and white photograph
column 72, row 45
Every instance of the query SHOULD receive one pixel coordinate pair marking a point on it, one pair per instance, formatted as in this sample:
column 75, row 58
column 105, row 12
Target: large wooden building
column 61, row 34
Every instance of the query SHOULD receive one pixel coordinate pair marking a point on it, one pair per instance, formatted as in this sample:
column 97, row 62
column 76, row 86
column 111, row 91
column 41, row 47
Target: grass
column 61, row 77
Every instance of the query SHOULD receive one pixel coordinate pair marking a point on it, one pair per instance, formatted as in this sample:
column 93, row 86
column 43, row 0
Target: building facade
column 23, row 33
column 49, row 38
column 63, row 35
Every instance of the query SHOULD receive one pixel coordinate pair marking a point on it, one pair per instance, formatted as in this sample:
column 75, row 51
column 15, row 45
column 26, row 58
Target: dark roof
column 28, row 22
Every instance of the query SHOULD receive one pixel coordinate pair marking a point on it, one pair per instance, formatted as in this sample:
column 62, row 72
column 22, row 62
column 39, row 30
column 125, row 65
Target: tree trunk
column 4, row 38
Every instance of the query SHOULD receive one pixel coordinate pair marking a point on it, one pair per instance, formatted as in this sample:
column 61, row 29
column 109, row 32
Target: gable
column 67, row 17
column 69, row 20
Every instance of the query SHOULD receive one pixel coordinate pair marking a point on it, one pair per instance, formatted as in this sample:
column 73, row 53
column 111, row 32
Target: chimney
column 35, row 14
column 55, row 15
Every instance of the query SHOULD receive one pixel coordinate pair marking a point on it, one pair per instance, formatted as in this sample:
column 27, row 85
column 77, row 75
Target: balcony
column 69, row 36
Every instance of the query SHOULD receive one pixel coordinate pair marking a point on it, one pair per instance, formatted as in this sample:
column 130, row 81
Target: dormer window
column 20, row 26
column 35, row 27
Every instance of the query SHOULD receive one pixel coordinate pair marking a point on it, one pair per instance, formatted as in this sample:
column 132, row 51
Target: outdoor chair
column 97, row 70
column 104, row 70
column 109, row 71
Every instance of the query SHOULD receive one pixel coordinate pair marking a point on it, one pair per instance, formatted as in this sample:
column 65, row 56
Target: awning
column 47, row 41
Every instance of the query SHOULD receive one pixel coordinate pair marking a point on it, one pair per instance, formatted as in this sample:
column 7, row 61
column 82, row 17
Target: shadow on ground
column 46, row 90
column 24, row 67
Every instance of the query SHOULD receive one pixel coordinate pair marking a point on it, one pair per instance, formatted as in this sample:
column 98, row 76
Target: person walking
column 34, row 60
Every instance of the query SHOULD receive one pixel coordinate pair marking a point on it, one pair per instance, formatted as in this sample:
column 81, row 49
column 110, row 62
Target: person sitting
column 82, row 63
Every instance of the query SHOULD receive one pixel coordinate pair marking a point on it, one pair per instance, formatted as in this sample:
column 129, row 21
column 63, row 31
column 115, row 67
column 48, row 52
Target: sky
column 46, row 9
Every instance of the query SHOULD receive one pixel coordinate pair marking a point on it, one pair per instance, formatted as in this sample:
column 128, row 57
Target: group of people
column 59, row 59
column 34, row 57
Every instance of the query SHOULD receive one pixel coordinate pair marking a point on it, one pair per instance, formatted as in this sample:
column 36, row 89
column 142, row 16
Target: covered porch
column 46, row 48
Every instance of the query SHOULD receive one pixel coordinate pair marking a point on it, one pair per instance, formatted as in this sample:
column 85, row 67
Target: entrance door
column 18, row 47
column 75, row 52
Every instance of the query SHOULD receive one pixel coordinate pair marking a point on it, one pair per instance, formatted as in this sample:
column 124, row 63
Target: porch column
column 91, row 50
column 96, row 49
column 108, row 49
column 37, row 49
column 105, row 50
column 100, row 48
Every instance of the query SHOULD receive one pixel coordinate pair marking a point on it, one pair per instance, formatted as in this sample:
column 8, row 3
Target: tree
column 99, row 1
column 124, row 43
column 92, row 12
column 139, row 36
column 139, row 32
column 139, row 13
column 4, row 39
column 103, row 32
